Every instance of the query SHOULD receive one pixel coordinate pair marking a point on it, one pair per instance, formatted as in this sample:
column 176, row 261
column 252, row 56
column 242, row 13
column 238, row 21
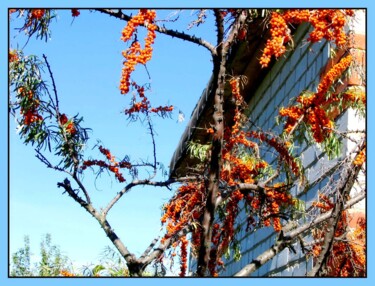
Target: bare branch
column 151, row 129
column 164, row 246
column 117, row 13
column 145, row 182
column 149, row 248
column 56, row 104
column 129, row 257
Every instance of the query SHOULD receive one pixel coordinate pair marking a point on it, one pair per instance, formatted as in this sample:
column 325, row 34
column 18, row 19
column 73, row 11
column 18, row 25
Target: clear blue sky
column 86, row 60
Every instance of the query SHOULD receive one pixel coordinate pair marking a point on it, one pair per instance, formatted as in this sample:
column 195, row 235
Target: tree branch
column 290, row 237
column 129, row 257
column 173, row 33
column 220, row 62
column 164, row 246
column 344, row 188
column 145, row 182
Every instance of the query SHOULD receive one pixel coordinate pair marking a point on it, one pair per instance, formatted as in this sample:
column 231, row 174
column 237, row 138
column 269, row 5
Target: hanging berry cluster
column 135, row 54
column 12, row 56
column 144, row 105
column 236, row 168
column 348, row 254
column 185, row 207
column 67, row 125
column 183, row 255
column 29, row 106
column 327, row 23
column 280, row 35
column 312, row 107
column 360, row 158
column 281, row 148
column 37, row 13
column 113, row 166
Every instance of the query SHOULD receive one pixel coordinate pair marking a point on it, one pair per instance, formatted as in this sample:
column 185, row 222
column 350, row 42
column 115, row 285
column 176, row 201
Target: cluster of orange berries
column 114, row 166
column 227, row 229
column 12, row 56
column 325, row 204
column 314, row 106
column 67, row 124
column 360, row 158
column 30, row 116
column 332, row 75
column 235, row 87
column 352, row 96
column 183, row 256
column 223, row 233
column 185, row 207
column 66, row 273
column 37, row 13
column 162, row 109
column 277, row 198
column 234, row 136
column 327, row 23
column 280, row 147
column 30, row 111
column 135, row 54
column 141, row 106
column 280, row 35
column 348, row 254
column 237, row 170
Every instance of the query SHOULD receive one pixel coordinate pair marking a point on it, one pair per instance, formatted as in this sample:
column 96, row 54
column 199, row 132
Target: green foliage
column 25, row 76
column 51, row 262
column 31, row 96
column 332, row 146
column 38, row 27
column 21, row 260
column 199, row 151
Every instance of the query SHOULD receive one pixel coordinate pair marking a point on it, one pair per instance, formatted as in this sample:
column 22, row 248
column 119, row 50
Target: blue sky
column 87, row 72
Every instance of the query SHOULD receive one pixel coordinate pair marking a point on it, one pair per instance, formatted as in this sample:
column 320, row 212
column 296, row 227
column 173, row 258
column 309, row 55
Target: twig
column 173, row 33
column 143, row 183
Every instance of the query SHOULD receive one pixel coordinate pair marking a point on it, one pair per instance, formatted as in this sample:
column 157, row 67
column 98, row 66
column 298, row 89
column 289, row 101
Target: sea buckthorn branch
column 28, row 88
column 54, row 102
column 280, row 147
column 214, row 166
column 135, row 54
column 201, row 17
column 350, row 173
column 327, row 23
column 149, row 248
column 311, row 108
column 158, row 251
column 129, row 257
column 289, row 236
column 173, row 33
column 37, row 22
